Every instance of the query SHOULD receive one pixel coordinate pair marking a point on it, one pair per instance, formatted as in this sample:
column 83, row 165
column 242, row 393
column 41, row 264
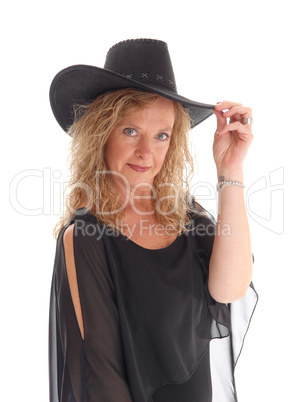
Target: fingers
column 236, row 126
column 238, row 110
column 233, row 108
column 221, row 120
column 226, row 105
column 220, row 117
column 234, row 111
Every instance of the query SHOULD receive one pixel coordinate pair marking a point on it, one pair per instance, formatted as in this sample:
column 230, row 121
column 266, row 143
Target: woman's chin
column 137, row 183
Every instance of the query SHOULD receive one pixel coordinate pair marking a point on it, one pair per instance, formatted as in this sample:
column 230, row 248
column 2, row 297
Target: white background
column 236, row 50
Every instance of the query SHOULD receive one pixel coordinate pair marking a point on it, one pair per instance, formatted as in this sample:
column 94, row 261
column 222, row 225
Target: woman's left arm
column 230, row 269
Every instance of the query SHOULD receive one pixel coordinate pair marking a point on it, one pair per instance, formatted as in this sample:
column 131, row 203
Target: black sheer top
column 152, row 331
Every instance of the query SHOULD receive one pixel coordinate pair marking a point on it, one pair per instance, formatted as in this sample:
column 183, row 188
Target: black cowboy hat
column 134, row 63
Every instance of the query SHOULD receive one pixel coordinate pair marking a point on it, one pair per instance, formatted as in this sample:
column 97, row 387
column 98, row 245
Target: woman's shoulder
column 198, row 213
column 84, row 214
column 83, row 226
column 83, row 238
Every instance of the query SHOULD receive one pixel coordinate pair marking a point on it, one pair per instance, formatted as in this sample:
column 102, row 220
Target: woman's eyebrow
column 167, row 129
column 133, row 125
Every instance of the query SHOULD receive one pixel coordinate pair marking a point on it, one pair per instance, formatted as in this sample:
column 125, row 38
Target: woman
column 144, row 278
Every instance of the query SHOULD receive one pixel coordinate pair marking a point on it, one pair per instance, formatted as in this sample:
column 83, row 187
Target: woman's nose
column 144, row 148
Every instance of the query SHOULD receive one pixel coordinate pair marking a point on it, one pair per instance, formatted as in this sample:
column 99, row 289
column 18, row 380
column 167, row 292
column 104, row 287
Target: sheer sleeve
column 230, row 321
column 205, row 225
column 93, row 369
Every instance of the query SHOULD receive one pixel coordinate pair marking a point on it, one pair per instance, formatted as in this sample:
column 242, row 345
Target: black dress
column 150, row 323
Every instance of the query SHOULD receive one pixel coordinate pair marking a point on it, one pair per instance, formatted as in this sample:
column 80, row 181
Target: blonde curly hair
column 90, row 131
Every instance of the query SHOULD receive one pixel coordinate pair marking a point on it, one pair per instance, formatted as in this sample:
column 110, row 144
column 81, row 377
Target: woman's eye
column 162, row 136
column 130, row 131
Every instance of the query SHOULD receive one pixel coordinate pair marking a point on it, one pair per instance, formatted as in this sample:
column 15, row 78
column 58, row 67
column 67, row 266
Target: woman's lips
column 138, row 168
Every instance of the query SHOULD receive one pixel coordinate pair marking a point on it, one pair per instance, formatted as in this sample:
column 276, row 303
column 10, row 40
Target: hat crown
column 144, row 64
column 144, row 60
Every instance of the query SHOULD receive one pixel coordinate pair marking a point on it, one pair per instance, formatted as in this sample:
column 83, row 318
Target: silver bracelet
column 221, row 184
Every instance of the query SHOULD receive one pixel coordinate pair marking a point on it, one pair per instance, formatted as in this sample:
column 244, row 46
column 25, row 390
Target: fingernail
column 220, row 129
column 219, row 103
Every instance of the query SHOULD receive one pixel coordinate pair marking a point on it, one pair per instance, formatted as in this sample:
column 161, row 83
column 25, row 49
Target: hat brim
column 81, row 84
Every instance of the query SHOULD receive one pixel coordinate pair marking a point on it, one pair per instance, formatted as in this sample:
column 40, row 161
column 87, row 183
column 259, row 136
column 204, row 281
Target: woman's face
column 137, row 146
